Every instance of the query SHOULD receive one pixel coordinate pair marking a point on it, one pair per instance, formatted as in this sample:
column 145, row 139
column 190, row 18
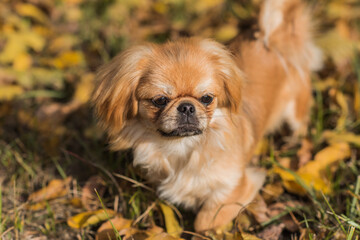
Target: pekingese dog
column 193, row 110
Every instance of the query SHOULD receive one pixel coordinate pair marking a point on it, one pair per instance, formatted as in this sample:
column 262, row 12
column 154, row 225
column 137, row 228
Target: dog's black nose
column 186, row 108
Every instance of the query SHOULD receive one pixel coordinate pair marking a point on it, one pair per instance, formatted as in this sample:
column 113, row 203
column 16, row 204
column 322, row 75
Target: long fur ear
column 114, row 96
column 228, row 72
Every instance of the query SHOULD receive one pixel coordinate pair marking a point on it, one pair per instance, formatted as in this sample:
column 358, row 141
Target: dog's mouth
column 182, row 131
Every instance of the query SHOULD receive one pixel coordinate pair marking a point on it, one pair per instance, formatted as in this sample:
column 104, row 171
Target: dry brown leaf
column 279, row 207
column 271, row 192
column 258, row 209
column 243, row 221
column 272, row 232
column 304, row 153
column 55, row 189
column 89, row 197
column 106, row 230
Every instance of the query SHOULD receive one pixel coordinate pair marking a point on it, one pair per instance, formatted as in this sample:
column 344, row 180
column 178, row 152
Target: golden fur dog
column 193, row 110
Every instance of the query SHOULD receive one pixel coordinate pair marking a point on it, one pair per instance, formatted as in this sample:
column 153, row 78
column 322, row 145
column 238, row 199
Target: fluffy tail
column 286, row 28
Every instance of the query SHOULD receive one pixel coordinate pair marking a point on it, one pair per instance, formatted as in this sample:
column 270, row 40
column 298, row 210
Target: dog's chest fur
column 187, row 172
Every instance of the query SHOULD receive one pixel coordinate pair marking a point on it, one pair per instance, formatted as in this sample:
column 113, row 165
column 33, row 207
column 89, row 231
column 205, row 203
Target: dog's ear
column 228, row 73
column 113, row 98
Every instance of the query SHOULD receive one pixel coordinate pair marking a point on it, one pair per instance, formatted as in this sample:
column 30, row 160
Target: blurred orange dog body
column 193, row 110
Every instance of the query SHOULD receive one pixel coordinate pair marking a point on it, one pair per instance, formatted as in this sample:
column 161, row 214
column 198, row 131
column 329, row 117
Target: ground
column 53, row 155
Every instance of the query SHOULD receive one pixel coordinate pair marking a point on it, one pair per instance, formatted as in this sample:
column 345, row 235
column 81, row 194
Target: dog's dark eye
column 206, row 99
column 160, row 101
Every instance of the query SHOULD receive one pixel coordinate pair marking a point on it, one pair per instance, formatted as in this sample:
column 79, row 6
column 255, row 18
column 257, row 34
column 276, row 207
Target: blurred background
column 49, row 53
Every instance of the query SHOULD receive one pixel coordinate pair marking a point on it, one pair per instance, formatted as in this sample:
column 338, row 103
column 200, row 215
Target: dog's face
column 178, row 93
column 172, row 89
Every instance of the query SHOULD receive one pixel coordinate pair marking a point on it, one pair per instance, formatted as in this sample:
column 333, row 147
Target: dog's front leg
column 212, row 215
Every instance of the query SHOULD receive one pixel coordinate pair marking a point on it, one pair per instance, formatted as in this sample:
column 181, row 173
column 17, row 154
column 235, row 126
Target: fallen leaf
column 106, row 230
column 18, row 43
column 62, row 43
column 341, row 101
column 271, row 192
column 22, row 62
column 162, row 236
column 76, row 202
column 248, row 236
column 334, row 137
column 357, row 100
column 258, row 209
column 272, row 232
column 85, row 219
column 202, row 5
column 171, row 223
column 278, row 208
column 305, row 152
column 84, row 88
column 36, row 206
column 313, row 173
column 68, row 59
column 9, row 92
column 55, row 189
column 89, row 197
column 226, row 33
column 30, row 10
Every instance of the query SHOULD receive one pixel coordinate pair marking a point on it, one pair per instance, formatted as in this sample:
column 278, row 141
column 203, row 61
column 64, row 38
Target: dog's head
column 171, row 89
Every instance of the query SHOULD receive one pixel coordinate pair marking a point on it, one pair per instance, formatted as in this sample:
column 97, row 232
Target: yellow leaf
column 76, row 202
column 18, row 43
column 340, row 9
column 333, row 137
column 162, row 236
column 106, row 229
column 9, row 92
column 22, row 62
column 327, row 156
column 248, row 236
column 63, row 43
column 160, row 7
column 55, row 189
column 85, row 219
column 313, row 173
column 261, row 147
column 357, row 100
column 226, row 33
column 171, row 223
column 341, row 100
column 84, row 88
column 68, row 59
column 73, row 2
column 29, row 10
column 202, row 5
column 326, row 84
column 336, row 46
column 272, row 191
column 36, row 206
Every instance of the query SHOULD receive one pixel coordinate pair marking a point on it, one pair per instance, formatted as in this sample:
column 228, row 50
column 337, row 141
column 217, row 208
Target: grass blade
column 335, row 215
column 112, row 225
